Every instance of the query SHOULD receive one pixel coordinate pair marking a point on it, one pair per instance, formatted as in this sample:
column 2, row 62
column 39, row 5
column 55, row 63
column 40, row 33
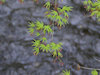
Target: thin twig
column 81, row 67
column 89, row 68
column 97, row 59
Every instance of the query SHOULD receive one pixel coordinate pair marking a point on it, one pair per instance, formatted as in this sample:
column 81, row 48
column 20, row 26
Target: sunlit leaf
column 94, row 72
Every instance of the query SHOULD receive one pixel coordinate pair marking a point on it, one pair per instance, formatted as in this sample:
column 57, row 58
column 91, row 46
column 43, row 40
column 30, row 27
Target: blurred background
column 80, row 38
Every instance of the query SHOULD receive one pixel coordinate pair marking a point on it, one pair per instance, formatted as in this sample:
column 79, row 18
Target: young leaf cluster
column 60, row 15
column 55, row 49
column 93, row 7
column 52, row 48
column 66, row 72
column 38, row 28
column 47, row 5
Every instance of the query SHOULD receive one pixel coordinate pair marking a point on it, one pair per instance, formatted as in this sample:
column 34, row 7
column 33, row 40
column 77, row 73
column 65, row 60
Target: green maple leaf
column 53, row 17
column 31, row 24
column 52, row 45
column 36, row 50
column 39, row 25
column 65, row 8
column 31, row 30
column 88, row 7
column 58, row 18
column 66, row 72
column 47, row 28
column 47, row 5
column 47, row 48
column 93, row 13
column 47, row 12
column 60, row 10
column 49, row 16
column 44, row 39
column 60, row 23
column 94, row 72
column 36, row 43
column 42, row 47
column 55, row 47
column 53, row 12
column 59, row 54
column 65, row 14
column 54, row 54
column 64, row 20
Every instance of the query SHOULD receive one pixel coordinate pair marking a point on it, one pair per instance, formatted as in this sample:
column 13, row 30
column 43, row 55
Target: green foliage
column 94, row 72
column 31, row 27
column 47, row 29
column 52, row 47
column 46, row 48
column 44, row 39
column 42, row 47
column 39, row 25
column 36, row 50
column 36, row 43
column 55, row 49
column 89, row 2
column 94, row 7
column 40, row 30
column 31, row 30
column 55, row 46
column 66, row 8
column 47, row 5
column 60, row 16
column 31, row 24
column 66, row 72
column 55, row 13
column 59, row 54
